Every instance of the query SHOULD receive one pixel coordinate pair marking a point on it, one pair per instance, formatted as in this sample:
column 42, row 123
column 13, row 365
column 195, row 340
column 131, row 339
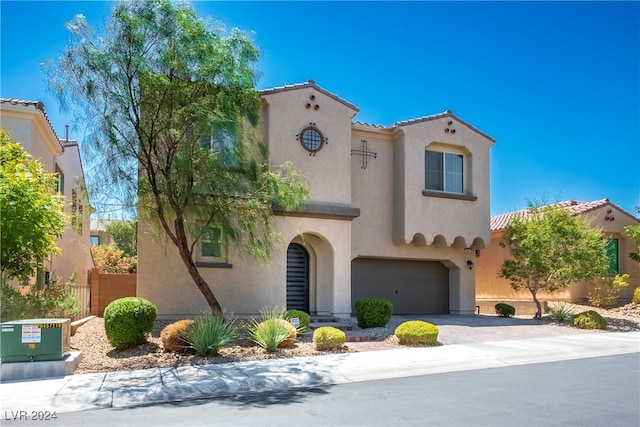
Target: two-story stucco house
column 395, row 212
column 28, row 124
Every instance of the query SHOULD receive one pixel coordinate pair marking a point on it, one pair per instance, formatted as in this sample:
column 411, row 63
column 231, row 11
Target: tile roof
column 500, row 222
column 447, row 113
column 311, row 83
column 38, row 105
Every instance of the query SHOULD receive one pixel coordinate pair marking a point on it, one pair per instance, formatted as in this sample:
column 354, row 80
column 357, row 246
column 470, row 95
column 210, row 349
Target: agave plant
column 208, row 334
column 560, row 312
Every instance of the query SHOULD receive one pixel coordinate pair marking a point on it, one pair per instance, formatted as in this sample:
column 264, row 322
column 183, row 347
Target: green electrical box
column 33, row 340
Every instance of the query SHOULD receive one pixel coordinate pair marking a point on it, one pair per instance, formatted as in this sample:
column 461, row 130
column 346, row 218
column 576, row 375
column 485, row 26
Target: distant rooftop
column 500, row 222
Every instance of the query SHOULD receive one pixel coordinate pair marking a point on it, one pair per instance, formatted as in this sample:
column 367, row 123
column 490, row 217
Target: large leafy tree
column 172, row 103
column 550, row 249
column 31, row 212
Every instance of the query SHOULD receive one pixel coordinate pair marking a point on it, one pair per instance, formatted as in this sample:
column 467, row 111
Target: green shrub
column 128, row 321
column 328, row 338
column 505, row 310
column 417, row 332
column 208, row 334
column 272, row 330
column 12, row 303
column 589, row 320
column 636, row 296
column 606, row 289
column 560, row 312
column 304, row 318
column 54, row 300
column 373, row 312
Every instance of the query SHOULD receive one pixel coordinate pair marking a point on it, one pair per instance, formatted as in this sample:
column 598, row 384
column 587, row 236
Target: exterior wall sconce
column 470, row 264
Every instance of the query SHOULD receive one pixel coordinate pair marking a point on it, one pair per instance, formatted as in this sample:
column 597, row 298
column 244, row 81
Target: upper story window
column 221, row 141
column 444, row 171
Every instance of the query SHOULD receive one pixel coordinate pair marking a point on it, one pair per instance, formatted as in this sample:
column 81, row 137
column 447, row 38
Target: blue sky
column 556, row 84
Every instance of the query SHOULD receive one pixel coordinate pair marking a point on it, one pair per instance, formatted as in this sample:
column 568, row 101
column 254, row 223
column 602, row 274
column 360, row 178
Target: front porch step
column 324, row 319
column 337, row 325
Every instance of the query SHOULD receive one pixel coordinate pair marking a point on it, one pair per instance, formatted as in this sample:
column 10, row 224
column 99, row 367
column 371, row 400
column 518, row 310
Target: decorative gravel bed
column 99, row 356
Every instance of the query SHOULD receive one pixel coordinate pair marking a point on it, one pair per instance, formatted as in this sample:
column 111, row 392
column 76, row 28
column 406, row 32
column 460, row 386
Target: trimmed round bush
column 128, row 321
column 171, row 336
column 328, row 338
column 417, row 332
column 505, row 310
column 373, row 312
column 589, row 320
column 304, row 318
column 636, row 296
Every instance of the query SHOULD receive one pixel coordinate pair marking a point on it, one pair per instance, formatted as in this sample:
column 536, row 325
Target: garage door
column 414, row 287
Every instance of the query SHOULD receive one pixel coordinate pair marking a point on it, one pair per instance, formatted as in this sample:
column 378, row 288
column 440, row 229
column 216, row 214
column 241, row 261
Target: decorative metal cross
column 365, row 153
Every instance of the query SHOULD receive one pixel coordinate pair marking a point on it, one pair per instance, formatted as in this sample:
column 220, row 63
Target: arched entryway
column 297, row 277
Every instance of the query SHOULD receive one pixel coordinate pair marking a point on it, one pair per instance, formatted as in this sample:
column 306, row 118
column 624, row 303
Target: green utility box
column 33, row 340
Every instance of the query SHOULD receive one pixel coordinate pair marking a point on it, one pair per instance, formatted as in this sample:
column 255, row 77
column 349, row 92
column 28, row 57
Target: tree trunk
column 185, row 254
column 538, row 314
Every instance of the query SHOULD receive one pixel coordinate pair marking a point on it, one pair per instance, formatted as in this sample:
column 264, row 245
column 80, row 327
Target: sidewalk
column 150, row 386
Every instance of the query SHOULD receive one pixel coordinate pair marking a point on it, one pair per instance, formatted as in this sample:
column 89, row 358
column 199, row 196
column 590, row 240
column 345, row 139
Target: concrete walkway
column 151, row 386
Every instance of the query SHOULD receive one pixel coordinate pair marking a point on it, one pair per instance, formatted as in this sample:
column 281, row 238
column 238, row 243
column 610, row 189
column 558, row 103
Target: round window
column 311, row 139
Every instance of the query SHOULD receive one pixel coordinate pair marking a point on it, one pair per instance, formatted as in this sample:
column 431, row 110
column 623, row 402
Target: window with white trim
column 444, row 171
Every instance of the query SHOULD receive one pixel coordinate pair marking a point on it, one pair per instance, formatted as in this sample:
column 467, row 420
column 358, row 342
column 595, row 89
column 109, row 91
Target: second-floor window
column 444, row 171
column 222, row 142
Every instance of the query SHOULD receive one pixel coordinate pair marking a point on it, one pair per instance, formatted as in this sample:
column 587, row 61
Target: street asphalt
column 151, row 386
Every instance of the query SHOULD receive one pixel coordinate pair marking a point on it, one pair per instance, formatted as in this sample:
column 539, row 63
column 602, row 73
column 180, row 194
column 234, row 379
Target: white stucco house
column 396, row 212
column 28, row 124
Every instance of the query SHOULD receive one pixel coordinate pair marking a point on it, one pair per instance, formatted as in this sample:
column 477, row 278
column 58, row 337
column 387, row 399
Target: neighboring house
column 395, row 212
column 602, row 214
column 28, row 124
column 99, row 234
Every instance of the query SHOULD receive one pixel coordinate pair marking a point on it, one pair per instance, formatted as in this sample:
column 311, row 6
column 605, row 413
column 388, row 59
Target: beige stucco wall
column 490, row 287
column 389, row 195
column 328, row 171
column 28, row 126
column 446, row 218
column 249, row 286
column 75, row 244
